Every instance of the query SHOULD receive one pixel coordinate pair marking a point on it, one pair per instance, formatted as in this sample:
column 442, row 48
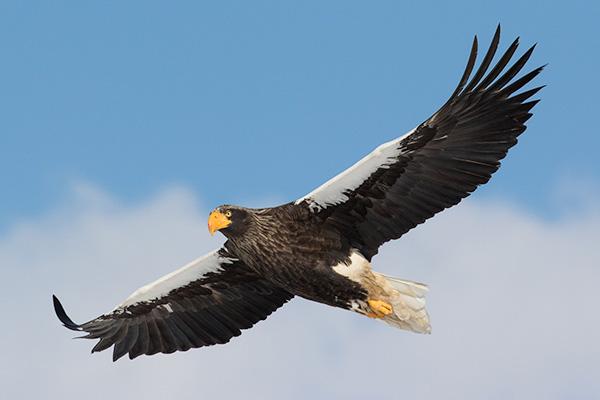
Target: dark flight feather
column 205, row 312
column 446, row 158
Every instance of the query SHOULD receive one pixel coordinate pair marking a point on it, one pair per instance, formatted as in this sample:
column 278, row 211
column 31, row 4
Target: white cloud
column 513, row 303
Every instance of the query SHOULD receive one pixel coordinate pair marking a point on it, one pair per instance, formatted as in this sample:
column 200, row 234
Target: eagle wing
column 203, row 303
column 404, row 182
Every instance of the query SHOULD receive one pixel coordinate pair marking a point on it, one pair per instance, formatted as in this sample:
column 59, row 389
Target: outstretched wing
column 408, row 180
column 205, row 302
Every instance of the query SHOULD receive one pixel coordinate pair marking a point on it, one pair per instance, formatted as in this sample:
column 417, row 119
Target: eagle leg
column 379, row 308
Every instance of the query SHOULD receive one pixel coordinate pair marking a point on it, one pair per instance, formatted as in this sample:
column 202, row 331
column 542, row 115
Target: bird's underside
column 320, row 247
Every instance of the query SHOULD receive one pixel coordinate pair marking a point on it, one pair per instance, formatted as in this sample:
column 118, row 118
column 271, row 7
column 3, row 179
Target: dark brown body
column 299, row 259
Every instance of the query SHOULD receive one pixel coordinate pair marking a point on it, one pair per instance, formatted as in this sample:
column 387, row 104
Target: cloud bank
column 513, row 303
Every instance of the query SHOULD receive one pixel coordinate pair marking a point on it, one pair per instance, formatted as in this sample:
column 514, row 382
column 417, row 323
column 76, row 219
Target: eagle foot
column 379, row 309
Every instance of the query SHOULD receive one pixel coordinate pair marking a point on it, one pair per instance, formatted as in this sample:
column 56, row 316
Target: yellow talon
column 380, row 308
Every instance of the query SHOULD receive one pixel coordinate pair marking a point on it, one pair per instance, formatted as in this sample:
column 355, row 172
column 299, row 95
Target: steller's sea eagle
column 320, row 246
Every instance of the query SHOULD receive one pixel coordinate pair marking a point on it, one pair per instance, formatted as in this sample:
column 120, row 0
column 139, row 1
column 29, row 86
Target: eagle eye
column 228, row 213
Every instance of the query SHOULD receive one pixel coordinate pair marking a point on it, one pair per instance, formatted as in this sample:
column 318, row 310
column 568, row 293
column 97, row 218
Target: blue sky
column 247, row 101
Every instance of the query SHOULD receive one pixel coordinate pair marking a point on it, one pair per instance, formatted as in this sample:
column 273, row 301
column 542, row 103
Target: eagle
column 320, row 247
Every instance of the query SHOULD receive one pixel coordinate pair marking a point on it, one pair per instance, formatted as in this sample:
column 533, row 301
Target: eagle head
column 230, row 220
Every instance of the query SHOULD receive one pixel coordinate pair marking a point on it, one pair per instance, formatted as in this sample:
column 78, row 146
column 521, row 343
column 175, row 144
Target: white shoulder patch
column 198, row 268
column 334, row 190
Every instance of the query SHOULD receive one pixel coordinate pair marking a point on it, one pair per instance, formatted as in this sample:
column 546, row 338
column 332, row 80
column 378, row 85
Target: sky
column 123, row 124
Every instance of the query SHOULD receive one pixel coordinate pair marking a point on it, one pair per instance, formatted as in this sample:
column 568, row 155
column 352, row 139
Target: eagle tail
column 408, row 302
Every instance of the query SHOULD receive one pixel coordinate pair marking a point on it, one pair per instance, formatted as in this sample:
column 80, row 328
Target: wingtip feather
column 62, row 315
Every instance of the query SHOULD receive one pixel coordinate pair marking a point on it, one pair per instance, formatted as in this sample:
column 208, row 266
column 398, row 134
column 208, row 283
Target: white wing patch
column 334, row 190
column 198, row 268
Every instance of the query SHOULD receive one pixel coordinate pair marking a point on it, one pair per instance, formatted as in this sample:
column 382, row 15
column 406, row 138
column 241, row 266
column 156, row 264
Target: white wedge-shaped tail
column 408, row 301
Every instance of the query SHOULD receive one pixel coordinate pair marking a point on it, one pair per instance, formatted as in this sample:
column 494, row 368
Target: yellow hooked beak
column 216, row 221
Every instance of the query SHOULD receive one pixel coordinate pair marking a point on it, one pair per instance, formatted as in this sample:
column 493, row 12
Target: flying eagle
column 320, row 246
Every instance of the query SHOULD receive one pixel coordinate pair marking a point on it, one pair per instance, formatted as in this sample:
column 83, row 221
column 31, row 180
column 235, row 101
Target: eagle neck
column 261, row 240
